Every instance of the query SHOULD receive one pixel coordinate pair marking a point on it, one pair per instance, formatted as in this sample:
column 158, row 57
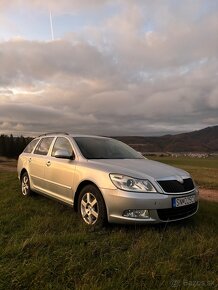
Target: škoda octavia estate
column 106, row 180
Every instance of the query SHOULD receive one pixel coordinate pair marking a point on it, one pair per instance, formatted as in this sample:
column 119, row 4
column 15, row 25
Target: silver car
column 105, row 180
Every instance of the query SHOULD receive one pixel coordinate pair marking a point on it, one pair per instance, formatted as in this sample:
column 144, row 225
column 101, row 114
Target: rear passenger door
column 37, row 163
column 59, row 173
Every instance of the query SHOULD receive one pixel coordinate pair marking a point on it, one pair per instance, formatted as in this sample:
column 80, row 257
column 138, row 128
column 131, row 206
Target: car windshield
column 103, row 148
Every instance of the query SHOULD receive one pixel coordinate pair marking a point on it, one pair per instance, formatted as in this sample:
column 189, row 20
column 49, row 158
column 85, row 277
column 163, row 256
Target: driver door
column 59, row 172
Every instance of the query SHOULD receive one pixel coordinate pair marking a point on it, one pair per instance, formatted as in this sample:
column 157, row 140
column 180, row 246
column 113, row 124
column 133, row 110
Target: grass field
column 204, row 171
column 43, row 245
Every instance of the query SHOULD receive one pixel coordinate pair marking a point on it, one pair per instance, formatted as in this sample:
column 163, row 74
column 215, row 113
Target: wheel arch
column 22, row 172
column 80, row 187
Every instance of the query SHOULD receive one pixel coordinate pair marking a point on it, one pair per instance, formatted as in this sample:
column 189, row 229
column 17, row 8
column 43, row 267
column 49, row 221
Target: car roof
column 88, row 136
column 71, row 135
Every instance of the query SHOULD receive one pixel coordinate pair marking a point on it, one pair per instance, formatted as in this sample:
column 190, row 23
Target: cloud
column 28, row 62
column 150, row 68
column 56, row 6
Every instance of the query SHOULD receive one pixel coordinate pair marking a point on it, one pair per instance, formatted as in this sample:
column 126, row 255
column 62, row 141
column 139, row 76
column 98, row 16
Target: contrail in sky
column 52, row 31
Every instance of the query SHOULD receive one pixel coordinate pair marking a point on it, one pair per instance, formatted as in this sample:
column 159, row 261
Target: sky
column 122, row 67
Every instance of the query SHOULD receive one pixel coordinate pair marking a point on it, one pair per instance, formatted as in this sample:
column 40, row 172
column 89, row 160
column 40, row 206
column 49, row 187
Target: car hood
column 140, row 168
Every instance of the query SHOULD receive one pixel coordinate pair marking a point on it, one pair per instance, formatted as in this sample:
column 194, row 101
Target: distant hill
column 205, row 140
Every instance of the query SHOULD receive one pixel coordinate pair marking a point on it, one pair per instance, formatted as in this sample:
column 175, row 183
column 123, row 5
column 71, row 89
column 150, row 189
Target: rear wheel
column 25, row 184
column 92, row 207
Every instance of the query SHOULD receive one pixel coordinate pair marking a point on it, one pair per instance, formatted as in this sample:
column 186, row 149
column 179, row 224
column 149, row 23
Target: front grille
column 177, row 213
column 174, row 186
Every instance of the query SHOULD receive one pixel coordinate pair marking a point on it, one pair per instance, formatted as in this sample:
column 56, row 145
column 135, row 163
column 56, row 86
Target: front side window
column 29, row 148
column 62, row 144
column 43, row 147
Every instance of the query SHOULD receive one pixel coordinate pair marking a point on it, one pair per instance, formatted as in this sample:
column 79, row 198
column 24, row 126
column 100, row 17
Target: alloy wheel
column 89, row 208
column 25, row 185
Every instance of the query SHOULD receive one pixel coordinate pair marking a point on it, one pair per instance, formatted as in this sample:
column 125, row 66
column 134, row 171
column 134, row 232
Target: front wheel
column 25, row 185
column 92, row 207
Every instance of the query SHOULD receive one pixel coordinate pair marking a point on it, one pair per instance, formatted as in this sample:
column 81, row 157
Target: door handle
column 48, row 163
column 30, row 159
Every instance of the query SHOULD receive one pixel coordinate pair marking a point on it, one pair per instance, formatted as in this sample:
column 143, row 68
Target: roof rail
column 54, row 133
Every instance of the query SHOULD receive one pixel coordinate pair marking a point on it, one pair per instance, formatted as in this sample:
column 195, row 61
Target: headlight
column 132, row 184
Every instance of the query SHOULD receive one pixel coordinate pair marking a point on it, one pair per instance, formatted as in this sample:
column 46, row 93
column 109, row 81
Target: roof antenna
column 51, row 24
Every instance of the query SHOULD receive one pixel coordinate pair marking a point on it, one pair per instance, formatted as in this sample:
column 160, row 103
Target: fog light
column 136, row 213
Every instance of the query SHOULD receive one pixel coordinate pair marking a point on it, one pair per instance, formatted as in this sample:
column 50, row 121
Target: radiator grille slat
column 174, row 186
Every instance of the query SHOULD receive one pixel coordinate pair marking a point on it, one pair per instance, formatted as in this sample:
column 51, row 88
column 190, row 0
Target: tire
column 91, row 207
column 25, row 185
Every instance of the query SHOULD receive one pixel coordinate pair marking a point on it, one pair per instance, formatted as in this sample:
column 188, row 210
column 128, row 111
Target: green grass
column 204, row 171
column 43, row 245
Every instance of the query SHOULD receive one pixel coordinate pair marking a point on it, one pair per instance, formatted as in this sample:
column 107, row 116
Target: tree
column 11, row 146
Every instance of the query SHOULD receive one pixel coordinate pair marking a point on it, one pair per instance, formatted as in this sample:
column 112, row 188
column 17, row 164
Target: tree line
column 11, row 146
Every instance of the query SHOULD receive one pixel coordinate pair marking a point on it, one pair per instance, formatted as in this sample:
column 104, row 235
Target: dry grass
column 7, row 164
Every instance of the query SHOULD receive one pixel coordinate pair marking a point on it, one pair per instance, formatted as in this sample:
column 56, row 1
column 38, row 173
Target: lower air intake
column 177, row 213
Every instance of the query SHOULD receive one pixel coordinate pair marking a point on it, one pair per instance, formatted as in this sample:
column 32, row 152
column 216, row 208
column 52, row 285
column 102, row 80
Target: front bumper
column 159, row 206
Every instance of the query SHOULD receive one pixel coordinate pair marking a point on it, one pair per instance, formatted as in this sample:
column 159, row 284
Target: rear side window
column 62, row 144
column 29, row 148
column 43, row 147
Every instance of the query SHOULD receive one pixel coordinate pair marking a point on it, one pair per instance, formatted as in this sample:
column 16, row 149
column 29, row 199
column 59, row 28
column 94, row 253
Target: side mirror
column 64, row 154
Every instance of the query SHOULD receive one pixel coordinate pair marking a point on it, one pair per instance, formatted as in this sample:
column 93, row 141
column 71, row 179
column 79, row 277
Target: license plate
column 182, row 201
